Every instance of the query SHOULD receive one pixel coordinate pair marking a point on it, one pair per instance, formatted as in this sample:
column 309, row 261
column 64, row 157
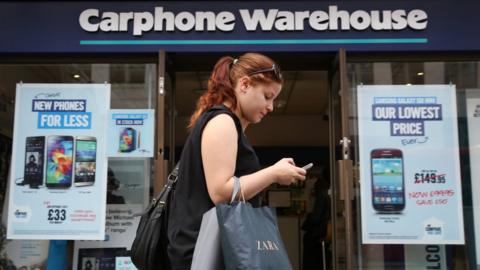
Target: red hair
column 225, row 75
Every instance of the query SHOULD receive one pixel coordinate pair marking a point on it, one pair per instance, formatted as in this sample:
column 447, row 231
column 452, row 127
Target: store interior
column 298, row 128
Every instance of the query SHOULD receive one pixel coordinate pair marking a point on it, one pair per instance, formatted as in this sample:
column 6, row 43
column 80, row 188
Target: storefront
column 382, row 97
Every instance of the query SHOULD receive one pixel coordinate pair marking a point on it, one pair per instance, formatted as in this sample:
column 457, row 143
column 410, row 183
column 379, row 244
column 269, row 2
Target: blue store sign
column 442, row 25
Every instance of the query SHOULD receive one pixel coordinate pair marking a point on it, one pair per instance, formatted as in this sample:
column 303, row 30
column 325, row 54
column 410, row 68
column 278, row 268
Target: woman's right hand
column 286, row 173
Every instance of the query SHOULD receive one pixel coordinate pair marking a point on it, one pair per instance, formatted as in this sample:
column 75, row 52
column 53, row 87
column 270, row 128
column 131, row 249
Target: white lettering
column 84, row 20
column 258, row 17
column 385, row 24
column 142, row 22
column 166, row 17
column 203, row 18
column 184, row 21
column 407, row 128
column 382, row 113
column 225, row 21
column 75, row 121
column 50, row 120
column 360, row 20
column 267, row 245
column 109, row 22
column 333, row 19
column 300, row 16
column 335, row 15
column 319, row 20
column 124, row 18
column 285, row 21
column 42, row 105
column 417, row 19
column 423, row 112
column 399, row 20
column 68, row 105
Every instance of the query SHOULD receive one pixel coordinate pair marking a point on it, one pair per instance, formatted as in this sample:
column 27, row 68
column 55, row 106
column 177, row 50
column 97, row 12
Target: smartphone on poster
column 127, row 140
column 59, row 162
column 34, row 161
column 388, row 183
column 85, row 160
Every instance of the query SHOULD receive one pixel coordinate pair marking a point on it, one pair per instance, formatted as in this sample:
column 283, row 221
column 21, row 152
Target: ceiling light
column 420, row 74
column 76, row 76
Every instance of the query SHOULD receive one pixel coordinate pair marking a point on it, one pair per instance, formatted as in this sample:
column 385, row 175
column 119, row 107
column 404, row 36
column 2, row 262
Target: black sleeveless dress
column 190, row 199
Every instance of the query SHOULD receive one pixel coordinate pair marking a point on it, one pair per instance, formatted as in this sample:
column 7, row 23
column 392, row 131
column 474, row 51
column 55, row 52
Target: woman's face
column 256, row 101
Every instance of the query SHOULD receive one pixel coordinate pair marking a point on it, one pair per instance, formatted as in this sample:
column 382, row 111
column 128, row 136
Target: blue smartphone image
column 59, row 161
column 127, row 140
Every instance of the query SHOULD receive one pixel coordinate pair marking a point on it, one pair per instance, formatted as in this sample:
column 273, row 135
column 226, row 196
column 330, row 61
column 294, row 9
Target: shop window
column 133, row 86
column 462, row 81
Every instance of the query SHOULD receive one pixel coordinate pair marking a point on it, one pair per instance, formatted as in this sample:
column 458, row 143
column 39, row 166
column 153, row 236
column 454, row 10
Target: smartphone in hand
column 308, row 166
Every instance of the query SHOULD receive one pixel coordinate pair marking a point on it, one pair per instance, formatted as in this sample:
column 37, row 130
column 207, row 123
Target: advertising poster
column 59, row 164
column 409, row 165
column 121, row 226
column 131, row 133
column 473, row 118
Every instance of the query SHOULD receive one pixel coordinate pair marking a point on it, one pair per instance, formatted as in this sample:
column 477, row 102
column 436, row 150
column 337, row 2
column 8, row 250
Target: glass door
column 420, row 227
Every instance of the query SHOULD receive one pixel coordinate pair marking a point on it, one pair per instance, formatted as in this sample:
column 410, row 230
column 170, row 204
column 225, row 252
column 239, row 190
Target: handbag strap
column 236, row 187
column 171, row 182
column 161, row 199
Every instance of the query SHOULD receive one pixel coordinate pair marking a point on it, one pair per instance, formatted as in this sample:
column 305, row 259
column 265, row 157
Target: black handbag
column 149, row 249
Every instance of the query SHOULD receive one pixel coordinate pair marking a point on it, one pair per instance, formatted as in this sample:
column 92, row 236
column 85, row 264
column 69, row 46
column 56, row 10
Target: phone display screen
column 387, row 175
column 85, row 157
column 127, row 140
column 34, row 149
column 59, row 160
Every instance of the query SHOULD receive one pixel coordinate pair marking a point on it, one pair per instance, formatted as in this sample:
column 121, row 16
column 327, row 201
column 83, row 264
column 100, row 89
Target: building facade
column 381, row 96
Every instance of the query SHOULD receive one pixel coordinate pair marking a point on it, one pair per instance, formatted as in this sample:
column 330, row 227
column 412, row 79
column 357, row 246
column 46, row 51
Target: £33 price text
column 56, row 215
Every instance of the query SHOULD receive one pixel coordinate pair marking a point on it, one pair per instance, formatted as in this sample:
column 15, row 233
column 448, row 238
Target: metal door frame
column 341, row 165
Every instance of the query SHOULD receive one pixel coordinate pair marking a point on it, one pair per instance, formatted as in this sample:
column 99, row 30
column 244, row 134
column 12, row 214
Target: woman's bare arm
column 219, row 152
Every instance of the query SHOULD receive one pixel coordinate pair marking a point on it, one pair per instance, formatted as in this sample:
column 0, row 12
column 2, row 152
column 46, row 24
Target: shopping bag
column 208, row 252
column 250, row 238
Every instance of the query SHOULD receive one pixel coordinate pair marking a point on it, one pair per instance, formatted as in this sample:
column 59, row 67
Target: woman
column 240, row 92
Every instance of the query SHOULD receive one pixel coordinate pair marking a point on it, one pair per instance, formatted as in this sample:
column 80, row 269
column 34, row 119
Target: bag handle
column 171, row 182
column 161, row 198
column 236, row 187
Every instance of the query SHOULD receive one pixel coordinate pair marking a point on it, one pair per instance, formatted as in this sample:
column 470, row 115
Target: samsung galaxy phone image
column 59, row 161
column 127, row 140
column 388, row 187
column 34, row 161
column 85, row 160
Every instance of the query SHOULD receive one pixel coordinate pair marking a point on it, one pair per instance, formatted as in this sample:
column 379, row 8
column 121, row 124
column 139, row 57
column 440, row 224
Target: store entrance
column 298, row 127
